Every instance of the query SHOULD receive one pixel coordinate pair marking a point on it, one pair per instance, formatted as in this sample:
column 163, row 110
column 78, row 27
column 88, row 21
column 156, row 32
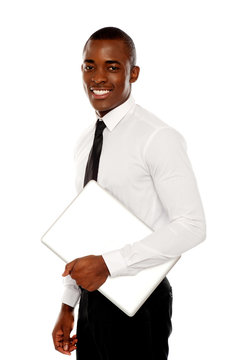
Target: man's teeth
column 101, row 92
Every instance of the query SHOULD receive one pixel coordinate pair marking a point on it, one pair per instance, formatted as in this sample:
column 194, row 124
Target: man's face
column 107, row 74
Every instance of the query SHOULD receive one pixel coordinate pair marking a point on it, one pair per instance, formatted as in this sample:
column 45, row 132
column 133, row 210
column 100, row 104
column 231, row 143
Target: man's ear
column 134, row 73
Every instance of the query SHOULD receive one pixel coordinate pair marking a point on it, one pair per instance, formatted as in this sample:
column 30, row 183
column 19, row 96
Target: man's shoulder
column 148, row 118
column 154, row 127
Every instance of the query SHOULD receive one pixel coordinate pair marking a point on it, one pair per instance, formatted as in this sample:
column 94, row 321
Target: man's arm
column 166, row 158
column 174, row 181
column 64, row 325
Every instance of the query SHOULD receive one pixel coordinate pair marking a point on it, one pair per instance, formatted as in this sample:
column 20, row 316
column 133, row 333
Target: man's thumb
column 66, row 339
column 68, row 268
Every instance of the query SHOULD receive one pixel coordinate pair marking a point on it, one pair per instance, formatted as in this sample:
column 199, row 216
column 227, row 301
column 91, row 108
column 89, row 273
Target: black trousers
column 104, row 332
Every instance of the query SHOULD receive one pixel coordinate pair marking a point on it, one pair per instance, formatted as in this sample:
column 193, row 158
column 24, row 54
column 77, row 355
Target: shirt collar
column 113, row 117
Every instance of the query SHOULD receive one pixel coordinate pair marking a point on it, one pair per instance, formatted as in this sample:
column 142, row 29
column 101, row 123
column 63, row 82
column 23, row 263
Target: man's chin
column 101, row 106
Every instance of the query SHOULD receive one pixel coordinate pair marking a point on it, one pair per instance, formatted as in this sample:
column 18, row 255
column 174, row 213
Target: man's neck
column 101, row 114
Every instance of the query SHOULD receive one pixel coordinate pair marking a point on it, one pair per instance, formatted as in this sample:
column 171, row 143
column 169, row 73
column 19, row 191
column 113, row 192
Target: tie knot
column 100, row 126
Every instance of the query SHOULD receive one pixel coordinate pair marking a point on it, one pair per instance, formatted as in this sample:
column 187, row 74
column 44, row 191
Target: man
column 144, row 164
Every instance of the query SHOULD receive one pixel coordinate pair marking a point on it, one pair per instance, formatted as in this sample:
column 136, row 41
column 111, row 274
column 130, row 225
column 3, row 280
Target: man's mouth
column 100, row 93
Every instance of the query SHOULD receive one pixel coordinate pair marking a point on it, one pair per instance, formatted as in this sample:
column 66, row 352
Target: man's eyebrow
column 89, row 61
column 113, row 62
column 107, row 61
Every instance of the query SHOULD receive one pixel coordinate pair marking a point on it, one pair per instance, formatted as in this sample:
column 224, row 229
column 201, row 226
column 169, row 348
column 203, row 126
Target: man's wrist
column 105, row 266
column 67, row 308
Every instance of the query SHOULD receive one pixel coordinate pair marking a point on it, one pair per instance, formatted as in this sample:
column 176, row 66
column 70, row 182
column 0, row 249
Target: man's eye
column 113, row 68
column 88, row 67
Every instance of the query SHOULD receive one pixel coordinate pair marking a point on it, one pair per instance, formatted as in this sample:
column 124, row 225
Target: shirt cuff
column 72, row 292
column 115, row 263
column 71, row 297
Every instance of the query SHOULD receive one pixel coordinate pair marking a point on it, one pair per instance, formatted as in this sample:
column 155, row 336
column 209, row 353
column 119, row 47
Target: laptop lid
column 96, row 222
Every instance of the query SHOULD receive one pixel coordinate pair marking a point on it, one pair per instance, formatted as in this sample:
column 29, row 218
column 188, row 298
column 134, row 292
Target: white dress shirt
column 144, row 164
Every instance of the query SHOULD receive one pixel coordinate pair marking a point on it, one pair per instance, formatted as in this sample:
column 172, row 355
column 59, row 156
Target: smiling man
column 143, row 162
column 108, row 71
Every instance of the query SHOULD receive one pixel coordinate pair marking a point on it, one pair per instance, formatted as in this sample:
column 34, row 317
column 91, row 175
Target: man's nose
column 99, row 77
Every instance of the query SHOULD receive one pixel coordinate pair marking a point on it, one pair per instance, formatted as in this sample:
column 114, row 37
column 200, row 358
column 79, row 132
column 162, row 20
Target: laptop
column 96, row 222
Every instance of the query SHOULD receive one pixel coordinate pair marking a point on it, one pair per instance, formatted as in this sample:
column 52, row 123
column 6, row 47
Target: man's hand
column 89, row 272
column 61, row 332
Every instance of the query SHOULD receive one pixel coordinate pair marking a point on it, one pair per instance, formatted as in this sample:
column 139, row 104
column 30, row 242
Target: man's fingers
column 73, row 345
column 60, row 349
column 74, row 340
column 63, row 343
column 58, row 335
column 57, row 338
column 58, row 343
column 72, row 348
column 69, row 267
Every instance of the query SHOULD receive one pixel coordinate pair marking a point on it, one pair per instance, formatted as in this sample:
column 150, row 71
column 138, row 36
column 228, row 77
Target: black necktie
column 91, row 171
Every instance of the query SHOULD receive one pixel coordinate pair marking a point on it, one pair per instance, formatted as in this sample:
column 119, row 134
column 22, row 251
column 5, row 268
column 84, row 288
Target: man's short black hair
column 113, row 33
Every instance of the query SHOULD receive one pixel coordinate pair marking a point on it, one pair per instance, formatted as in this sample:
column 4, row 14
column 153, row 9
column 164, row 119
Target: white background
column 189, row 56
